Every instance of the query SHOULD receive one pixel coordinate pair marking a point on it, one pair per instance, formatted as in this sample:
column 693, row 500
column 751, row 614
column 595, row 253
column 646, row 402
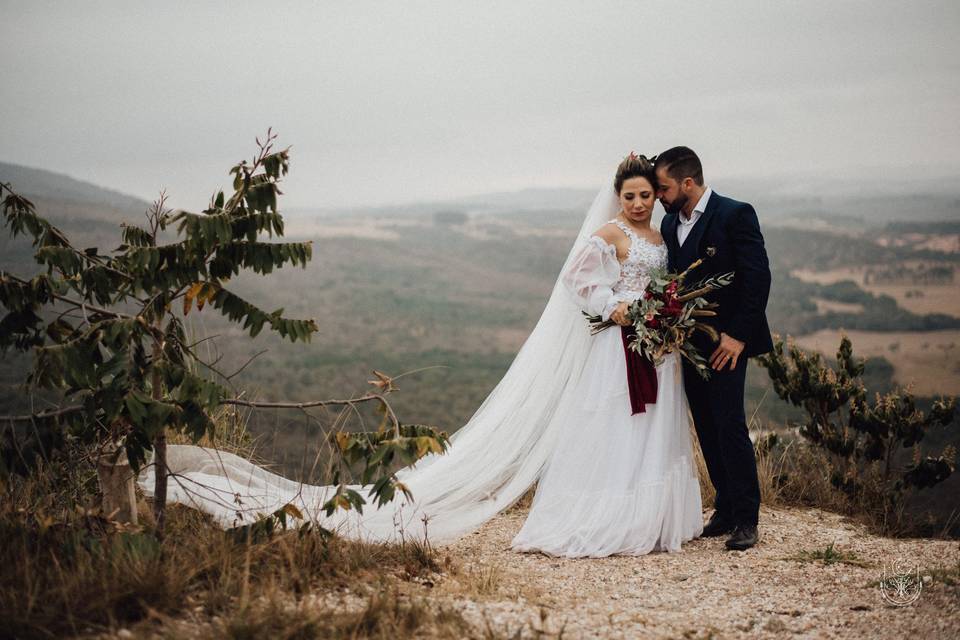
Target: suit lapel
column 670, row 237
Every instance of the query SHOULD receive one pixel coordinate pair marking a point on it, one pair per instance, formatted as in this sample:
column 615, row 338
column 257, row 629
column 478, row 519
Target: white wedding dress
column 616, row 483
column 609, row 482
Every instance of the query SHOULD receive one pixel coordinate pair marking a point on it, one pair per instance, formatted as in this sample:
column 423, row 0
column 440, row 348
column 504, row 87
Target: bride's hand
column 619, row 314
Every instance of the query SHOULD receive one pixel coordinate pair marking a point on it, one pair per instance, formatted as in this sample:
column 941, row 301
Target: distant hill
column 91, row 215
column 28, row 181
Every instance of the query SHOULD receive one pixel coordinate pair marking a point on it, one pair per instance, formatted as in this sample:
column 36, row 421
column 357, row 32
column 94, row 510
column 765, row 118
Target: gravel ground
column 705, row 591
column 775, row 590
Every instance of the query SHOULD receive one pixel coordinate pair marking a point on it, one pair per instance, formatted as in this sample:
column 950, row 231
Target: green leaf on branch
column 254, row 318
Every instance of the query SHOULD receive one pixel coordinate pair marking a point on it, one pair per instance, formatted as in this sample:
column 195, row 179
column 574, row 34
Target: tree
column 857, row 433
column 105, row 331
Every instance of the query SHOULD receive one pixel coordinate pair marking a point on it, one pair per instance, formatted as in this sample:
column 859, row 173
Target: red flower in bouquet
column 667, row 314
column 673, row 306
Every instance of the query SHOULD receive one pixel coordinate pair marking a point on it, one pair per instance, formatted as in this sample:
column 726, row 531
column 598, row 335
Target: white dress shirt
column 685, row 225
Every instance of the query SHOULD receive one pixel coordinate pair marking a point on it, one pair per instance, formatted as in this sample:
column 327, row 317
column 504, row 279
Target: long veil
column 491, row 461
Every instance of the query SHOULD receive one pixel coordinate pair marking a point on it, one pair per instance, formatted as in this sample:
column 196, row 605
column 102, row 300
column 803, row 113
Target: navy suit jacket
column 727, row 237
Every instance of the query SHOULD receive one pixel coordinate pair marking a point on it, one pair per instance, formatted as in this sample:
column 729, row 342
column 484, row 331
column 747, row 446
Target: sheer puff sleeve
column 591, row 275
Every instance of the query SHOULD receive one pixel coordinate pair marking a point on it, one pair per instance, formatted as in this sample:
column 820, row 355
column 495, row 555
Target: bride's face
column 637, row 198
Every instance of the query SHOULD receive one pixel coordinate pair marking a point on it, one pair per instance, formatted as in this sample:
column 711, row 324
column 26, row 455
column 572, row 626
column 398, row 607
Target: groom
column 725, row 234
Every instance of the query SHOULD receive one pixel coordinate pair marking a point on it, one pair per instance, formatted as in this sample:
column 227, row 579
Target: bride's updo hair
column 634, row 166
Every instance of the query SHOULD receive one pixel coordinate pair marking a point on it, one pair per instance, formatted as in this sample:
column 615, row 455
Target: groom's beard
column 677, row 205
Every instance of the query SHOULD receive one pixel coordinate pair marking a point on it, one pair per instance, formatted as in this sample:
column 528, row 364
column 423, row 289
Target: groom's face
column 670, row 193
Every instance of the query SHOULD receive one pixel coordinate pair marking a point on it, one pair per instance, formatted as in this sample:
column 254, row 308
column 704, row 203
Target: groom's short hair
column 680, row 163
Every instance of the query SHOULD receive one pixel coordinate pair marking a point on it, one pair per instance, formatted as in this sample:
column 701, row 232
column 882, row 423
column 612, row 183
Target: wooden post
column 116, row 484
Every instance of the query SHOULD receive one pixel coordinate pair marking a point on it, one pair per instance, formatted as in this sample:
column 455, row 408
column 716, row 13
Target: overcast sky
column 394, row 102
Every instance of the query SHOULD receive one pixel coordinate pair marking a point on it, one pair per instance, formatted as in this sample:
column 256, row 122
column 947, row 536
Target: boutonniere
column 711, row 251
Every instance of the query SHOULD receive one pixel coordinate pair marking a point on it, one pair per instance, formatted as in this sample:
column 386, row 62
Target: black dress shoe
column 744, row 536
column 717, row 526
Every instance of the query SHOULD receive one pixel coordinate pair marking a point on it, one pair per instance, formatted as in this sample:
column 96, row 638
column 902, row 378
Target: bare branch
column 252, row 358
column 43, row 414
column 201, row 340
column 303, row 405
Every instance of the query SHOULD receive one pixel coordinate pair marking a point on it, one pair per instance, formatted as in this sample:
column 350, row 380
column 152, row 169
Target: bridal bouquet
column 666, row 316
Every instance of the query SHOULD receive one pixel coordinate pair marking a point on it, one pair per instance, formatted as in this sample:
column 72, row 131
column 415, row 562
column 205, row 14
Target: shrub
column 864, row 442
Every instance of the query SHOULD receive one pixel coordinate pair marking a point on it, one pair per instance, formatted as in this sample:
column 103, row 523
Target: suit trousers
column 718, row 415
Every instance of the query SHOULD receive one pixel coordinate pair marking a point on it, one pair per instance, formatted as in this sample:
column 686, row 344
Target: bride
column 610, row 480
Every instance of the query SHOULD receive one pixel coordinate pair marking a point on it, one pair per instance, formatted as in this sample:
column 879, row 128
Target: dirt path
column 706, row 591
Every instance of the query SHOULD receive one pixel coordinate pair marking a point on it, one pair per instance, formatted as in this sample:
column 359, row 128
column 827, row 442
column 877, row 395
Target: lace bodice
column 641, row 258
column 598, row 281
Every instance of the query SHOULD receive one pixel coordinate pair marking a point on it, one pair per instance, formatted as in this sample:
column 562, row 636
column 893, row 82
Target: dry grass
column 231, row 432
column 484, row 580
column 386, row 614
column 771, row 463
column 68, row 580
column 68, row 571
column 707, row 493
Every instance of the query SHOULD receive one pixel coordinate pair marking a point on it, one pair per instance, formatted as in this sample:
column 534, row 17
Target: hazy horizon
column 387, row 103
column 870, row 187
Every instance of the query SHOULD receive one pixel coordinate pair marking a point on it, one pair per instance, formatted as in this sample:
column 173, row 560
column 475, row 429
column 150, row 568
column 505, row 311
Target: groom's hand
column 727, row 352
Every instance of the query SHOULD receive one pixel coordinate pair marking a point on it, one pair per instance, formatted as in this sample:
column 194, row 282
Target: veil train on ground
column 490, row 463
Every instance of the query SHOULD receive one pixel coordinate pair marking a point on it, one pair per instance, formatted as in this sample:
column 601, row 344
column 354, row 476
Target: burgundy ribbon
column 641, row 374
